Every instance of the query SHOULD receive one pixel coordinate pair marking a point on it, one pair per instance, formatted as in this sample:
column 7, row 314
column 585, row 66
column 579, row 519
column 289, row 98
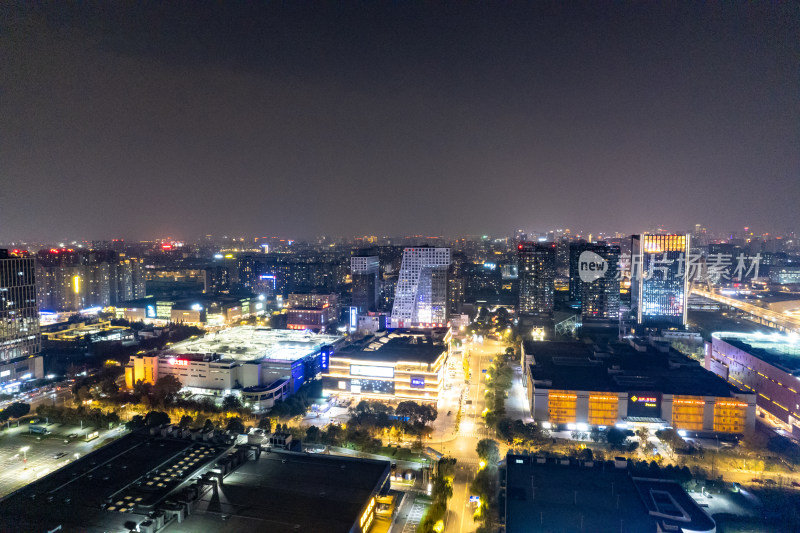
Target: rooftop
column 776, row 349
column 286, row 491
column 550, row 496
column 119, row 482
column 621, row 367
column 250, row 343
column 395, row 347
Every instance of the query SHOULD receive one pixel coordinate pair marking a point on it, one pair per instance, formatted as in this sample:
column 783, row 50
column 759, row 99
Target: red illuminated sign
column 181, row 362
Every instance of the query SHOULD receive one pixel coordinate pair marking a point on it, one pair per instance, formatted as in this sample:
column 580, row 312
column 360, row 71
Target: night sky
column 299, row 119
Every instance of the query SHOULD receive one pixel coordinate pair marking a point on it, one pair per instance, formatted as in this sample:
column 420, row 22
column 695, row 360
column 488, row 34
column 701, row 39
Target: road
column 763, row 316
column 472, row 429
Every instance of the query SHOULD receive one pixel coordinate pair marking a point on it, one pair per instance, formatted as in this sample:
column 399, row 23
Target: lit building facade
column 594, row 279
column 537, row 271
column 659, row 284
column 403, row 368
column 20, row 338
column 766, row 365
column 573, row 386
column 420, row 298
column 72, row 280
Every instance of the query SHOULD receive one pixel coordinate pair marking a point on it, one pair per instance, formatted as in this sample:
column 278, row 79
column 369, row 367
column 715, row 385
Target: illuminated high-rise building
column 659, row 284
column 420, row 298
column 537, row 271
column 20, row 339
column 594, row 279
column 71, row 280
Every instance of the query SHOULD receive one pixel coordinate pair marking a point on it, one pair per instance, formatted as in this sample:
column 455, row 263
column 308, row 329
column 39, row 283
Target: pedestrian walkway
column 414, row 516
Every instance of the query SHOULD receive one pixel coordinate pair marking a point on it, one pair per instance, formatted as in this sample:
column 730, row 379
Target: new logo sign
column 591, row 266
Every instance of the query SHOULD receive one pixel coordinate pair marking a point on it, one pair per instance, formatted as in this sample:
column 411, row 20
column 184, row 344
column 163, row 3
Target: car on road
column 73, row 435
column 59, row 455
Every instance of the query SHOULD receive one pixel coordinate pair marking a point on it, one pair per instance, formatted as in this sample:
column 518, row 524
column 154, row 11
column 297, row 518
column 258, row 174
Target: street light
column 24, row 451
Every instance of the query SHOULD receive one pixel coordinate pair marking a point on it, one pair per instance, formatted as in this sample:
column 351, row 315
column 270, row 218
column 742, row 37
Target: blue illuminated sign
column 418, row 382
column 324, row 358
column 151, row 311
column 354, row 318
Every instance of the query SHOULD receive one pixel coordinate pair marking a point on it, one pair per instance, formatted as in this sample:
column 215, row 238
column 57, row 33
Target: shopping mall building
column 577, row 386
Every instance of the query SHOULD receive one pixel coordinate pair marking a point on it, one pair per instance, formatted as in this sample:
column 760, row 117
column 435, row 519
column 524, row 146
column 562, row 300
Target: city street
column 472, row 428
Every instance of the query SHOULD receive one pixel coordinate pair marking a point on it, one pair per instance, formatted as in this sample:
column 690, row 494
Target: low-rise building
column 392, row 367
column 201, row 310
column 169, row 479
column 262, row 363
column 766, row 365
column 550, row 494
column 572, row 385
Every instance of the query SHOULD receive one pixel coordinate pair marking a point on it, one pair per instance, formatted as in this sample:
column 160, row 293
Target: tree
column 235, row 425
column 488, row 451
column 313, row 434
column 266, row 424
column 166, row 388
column 156, row 418
column 230, row 403
column 596, row 435
column 136, row 422
column 186, row 421
column 671, row 438
column 84, row 394
column 616, row 437
column 17, row 409
column 209, row 425
column 142, row 389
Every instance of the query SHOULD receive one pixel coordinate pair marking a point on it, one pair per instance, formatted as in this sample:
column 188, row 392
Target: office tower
column 420, row 298
column 537, row 270
column 594, row 279
column 659, row 284
column 19, row 319
column 364, row 271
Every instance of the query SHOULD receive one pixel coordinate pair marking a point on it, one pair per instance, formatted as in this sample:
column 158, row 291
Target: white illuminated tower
column 420, row 299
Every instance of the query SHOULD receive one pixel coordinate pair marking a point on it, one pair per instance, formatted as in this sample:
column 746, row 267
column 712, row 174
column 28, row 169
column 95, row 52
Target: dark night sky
column 143, row 120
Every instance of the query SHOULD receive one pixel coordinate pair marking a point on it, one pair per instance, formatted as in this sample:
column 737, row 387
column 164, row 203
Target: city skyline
column 139, row 121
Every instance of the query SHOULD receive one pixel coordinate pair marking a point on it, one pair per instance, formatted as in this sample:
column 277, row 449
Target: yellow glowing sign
column 76, row 284
column 366, row 517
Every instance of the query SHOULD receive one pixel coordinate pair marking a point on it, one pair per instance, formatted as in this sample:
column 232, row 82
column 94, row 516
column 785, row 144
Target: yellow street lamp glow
column 438, row 527
column 482, row 465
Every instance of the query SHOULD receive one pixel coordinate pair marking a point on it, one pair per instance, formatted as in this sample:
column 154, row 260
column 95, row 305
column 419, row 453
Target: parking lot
column 25, row 456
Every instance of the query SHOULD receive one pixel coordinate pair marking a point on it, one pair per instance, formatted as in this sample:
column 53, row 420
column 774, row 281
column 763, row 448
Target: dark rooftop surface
column 551, row 497
column 618, row 367
column 400, row 348
column 285, row 491
column 73, row 496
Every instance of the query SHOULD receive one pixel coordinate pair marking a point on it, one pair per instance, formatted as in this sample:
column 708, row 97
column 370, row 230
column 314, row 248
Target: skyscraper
column 537, row 271
column 659, row 284
column 364, row 270
column 420, row 299
column 594, row 279
column 20, row 339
